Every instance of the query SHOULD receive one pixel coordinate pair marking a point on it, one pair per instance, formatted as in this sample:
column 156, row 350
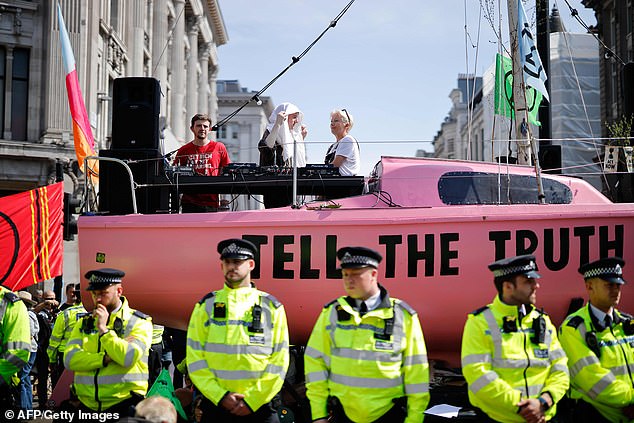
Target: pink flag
column 82, row 133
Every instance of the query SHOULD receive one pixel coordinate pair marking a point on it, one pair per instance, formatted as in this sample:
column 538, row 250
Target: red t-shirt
column 205, row 160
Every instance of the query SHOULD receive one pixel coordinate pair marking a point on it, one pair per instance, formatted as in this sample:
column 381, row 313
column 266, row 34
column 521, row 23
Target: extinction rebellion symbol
column 7, row 264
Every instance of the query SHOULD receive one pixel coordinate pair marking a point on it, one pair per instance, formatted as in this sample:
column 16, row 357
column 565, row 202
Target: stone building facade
column 174, row 41
column 242, row 133
column 615, row 26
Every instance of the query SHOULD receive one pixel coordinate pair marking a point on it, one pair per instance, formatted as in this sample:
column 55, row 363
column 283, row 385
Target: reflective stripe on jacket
column 227, row 353
column 62, row 329
column 15, row 335
column 605, row 381
column 503, row 366
column 100, row 387
column 346, row 359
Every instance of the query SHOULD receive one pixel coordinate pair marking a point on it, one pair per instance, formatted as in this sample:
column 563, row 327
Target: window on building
column 3, row 56
column 20, row 96
column 222, row 132
column 114, row 14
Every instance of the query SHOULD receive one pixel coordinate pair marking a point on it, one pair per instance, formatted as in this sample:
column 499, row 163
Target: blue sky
column 392, row 64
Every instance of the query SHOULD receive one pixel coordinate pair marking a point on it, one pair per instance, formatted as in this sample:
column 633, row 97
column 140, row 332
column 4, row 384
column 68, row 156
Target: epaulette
column 330, row 303
column 626, row 315
column 480, row 310
column 206, row 297
column 140, row 314
column 11, row 297
column 575, row 322
column 406, row 306
column 273, row 300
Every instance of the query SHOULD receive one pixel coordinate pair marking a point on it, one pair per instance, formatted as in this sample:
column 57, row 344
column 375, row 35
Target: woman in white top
column 344, row 153
column 284, row 134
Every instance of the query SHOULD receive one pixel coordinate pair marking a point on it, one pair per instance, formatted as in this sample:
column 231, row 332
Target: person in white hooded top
column 282, row 144
column 284, row 135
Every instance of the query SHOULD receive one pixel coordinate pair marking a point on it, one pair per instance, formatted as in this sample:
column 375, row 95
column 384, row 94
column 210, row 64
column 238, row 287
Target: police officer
column 15, row 337
column 366, row 359
column 62, row 329
column 108, row 349
column 511, row 359
column 237, row 343
column 599, row 342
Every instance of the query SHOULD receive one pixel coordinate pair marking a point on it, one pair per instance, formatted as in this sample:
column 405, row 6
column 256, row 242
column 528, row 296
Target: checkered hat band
column 512, row 270
column 601, row 271
column 104, row 279
column 235, row 249
column 364, row 260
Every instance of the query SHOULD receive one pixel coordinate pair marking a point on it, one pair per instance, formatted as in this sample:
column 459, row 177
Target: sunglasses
column 347, row 115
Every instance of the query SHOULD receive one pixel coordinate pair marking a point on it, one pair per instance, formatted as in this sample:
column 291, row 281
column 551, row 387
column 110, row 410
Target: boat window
column 457, row 188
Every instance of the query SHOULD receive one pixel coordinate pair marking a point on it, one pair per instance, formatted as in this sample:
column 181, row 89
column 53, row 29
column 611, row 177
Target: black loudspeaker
column 550, row 158
column 115, row 196
column 135, row 117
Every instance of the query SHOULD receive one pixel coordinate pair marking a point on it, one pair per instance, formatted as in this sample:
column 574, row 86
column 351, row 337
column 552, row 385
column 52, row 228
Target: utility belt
column 396, row 414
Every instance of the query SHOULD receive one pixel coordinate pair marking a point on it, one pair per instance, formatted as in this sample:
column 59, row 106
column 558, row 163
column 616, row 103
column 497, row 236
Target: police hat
column 103, row 278
column 609, row 269
column 512, row 266
column 236, row 248
column 356, row 257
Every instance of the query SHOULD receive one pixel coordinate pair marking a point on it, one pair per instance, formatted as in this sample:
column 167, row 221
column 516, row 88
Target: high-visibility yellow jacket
column 157, row 333
column 127, row 343
column 62, row 329
column 351, row 357
column 228, row 352
column 604, row 380
column 503, row 363
column 15, row 335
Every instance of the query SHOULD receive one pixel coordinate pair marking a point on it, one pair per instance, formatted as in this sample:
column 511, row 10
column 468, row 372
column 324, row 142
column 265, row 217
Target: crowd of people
column 365, row 360
column 282, row 146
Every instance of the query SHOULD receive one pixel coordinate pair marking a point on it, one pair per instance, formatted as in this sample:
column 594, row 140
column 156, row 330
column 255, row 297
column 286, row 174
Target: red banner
column 31, row 236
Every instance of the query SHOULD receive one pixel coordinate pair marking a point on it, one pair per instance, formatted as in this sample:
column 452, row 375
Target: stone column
column 192, row 66
column 136, row 37
column 203, row 83
column 178, row 73
column 159, row 50
column 213, row 96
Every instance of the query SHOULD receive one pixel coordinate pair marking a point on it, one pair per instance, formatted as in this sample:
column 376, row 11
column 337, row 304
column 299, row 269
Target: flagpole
column 519, row 97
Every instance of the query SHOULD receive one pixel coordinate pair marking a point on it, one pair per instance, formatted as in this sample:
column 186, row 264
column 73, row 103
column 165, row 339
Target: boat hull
column 435, row 259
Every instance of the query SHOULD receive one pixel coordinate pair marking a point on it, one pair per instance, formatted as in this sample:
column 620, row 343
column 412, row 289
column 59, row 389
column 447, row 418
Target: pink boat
column 437, row 223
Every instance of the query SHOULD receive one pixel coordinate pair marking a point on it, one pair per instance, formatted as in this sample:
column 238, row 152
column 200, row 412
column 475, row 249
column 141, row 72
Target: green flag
column 163, row 386
column 504, row 92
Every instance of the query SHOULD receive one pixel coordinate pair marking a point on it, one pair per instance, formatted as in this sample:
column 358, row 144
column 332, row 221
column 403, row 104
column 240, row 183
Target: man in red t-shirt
column 206, row 157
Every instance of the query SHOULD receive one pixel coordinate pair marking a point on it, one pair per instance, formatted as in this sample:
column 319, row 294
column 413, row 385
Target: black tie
column 363, row 308
column 607, row 321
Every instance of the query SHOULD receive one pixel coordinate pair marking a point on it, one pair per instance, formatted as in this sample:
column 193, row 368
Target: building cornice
column 218, row 24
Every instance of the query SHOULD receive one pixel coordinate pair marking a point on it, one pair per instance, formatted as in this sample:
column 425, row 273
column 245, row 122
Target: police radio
column 509, row 324
column 593, row 343
column 539, row 330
